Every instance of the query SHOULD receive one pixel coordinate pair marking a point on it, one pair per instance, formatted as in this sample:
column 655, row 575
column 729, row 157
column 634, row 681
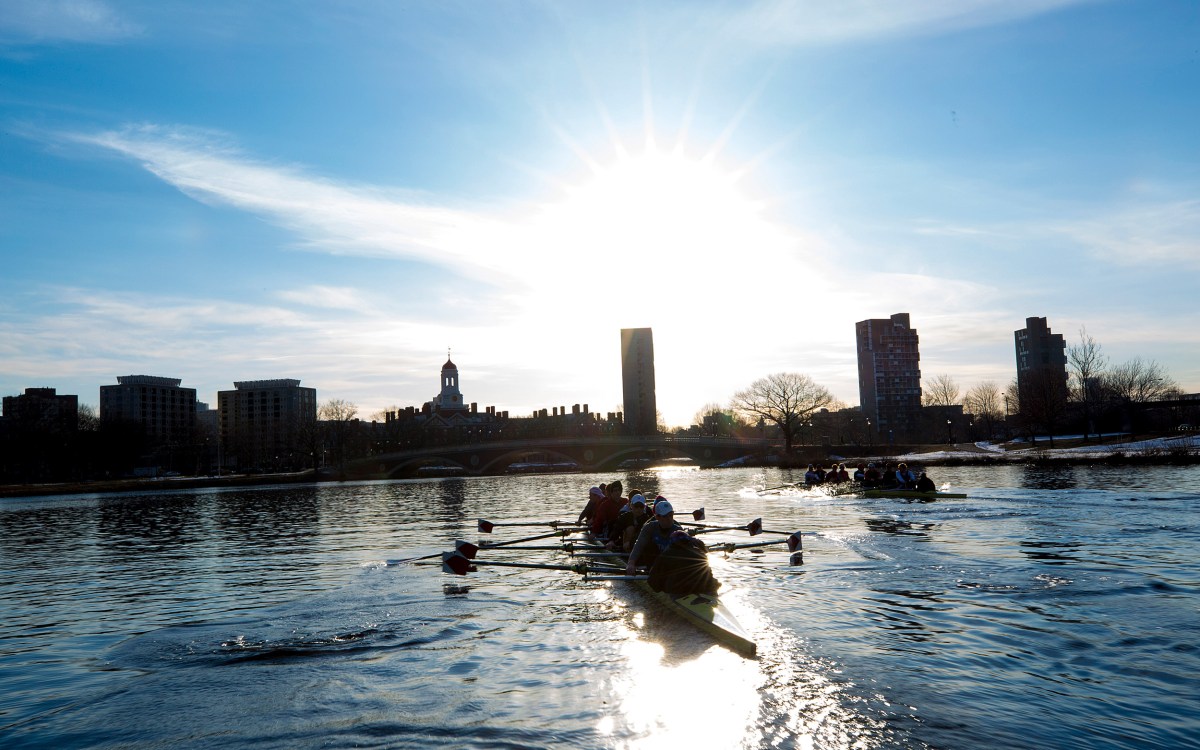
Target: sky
column 346, row 192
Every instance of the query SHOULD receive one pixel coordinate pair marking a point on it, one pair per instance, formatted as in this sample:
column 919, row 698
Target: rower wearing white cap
column 654, row 537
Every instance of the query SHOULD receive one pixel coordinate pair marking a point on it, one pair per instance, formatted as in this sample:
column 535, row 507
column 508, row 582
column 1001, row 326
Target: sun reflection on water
column 709, row 701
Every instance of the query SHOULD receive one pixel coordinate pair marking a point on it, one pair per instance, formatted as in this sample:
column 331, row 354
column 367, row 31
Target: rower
column 654, row 537
column 682, row 568
column 595, row 495
column 607, row 509
column 625, row 529
column 905, row 478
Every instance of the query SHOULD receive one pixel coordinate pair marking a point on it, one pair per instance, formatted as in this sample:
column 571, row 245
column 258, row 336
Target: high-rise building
column 267, row 424
column 637, row 380
column 1041, row 366
column 889, row 376
column 166, row 412
column 41, row 410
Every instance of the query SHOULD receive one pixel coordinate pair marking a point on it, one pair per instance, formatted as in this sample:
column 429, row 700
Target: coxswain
column 682, row 568
column 925, row 484
column 654, row 537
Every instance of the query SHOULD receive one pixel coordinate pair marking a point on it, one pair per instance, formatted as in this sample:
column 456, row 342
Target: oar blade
column 755, row 527
column 453, row 562
column 698, row 514
column 466, row 549
column 795, row 542
column 485, row 527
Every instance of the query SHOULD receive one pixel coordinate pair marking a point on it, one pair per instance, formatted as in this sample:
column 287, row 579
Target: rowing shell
column 912, row 493
column 703, row 611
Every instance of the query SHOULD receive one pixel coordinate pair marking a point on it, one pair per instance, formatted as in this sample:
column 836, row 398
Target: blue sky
column 338, row 192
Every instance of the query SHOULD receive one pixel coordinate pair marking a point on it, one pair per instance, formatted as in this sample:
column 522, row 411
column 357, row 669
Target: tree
column 1042, row 403
column 337, row 415
column 787, row 399
column 941, row 391
column 1137, row 382
column 983, row 401
column 1087, row 364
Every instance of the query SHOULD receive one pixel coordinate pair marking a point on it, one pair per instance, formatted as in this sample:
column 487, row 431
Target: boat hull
column 703, row 611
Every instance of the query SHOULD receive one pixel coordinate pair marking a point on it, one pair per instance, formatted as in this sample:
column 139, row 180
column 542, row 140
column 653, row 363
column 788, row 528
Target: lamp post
column 949, row 436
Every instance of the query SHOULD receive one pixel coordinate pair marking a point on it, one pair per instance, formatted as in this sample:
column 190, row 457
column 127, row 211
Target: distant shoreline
column 1117, row 457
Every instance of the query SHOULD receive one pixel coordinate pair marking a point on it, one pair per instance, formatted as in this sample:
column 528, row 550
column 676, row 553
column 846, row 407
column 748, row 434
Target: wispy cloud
column 789, row 22
column 39, row 21
column 334, row 217
column 1163, row 233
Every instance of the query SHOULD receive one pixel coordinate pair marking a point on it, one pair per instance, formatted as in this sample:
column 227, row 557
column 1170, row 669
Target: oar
column 491, row 545
column 754, row 527
column 459, row 564
column 587, row 577
column 794, row 542
column 780, row 487
column 485, row 526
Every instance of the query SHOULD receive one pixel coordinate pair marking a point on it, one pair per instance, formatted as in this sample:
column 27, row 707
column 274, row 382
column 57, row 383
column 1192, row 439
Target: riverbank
column 1172, row 450
column 157, row 484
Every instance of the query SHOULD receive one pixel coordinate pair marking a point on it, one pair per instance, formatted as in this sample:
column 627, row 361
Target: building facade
column 42, row 410
column 637, row 380
column 1041, row 367
column 267, row 424
column 165, row 411
column 889, row 376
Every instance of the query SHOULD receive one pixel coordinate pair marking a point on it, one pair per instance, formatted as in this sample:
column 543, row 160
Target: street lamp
column 949, row 437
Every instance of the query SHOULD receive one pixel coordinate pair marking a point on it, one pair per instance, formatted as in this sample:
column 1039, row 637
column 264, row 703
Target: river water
column 1050, row 608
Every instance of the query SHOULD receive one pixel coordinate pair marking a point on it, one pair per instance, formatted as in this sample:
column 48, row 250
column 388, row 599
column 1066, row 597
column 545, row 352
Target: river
column 1051, row 608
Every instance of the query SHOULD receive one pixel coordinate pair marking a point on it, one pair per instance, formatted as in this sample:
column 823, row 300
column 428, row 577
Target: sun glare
column 651, row 217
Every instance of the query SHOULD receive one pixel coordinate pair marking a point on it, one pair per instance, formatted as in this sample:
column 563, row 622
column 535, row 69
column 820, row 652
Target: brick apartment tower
column 1041, row 363
column 889, row 376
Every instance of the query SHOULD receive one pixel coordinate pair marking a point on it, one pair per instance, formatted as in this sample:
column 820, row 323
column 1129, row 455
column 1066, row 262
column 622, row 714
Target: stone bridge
column 589, row 454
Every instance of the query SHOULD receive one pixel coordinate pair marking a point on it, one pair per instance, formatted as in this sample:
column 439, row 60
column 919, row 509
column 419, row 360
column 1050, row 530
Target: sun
column 662, row 219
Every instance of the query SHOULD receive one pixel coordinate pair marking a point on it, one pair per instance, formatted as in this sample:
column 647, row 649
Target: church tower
column 450, row 398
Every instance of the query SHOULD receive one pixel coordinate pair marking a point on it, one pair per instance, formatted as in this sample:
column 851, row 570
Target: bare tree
column 983, row 401
column 1042, row 403
column 787, row 399
column 941, row 391
column 1138, row 382
column 337, row 415
column 1087, row 364
column 88, row 421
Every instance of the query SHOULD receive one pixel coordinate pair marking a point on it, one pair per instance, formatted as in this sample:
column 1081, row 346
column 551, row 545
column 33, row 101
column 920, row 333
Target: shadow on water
column 898, row 527
column 1036, row 477
column 1051, row 553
